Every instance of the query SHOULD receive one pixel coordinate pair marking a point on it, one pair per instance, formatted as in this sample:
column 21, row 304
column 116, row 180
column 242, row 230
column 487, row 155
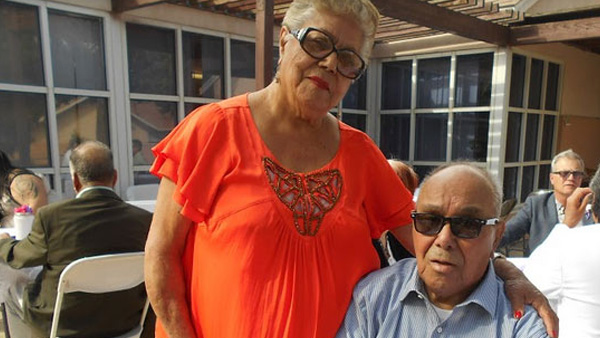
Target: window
column 431, row 137
column 433, row 81
column 77, row 50
column 396, row 78
column 470, row 136
column 530, row 129
column 151, row 59
column 354, row 104
column 243, row 78
column 203, row 66
column 395, row 136
column 474, row 80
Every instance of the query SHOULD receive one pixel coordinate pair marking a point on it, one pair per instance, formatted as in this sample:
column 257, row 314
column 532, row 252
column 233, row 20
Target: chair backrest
column 101, row 274
column 142, row 192
column 148, row 205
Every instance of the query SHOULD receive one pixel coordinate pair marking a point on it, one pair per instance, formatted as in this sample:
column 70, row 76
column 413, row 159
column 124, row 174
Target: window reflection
column 513, row 137
column 544, row 177
column 190, row 107
column 356, row 96
column 474, row 80
column 397, row 87
column 395, row 136
column 242, row 67
column 510, row 182
column 527, row 183
column 151, row 121
column 552, row 86
column 470, row 136
column 548, row 137
column 203, row 66
column 20, row 46
column 151, row 59
column 517, row 80
column 431, row 137
column 77, row 44
column 433, row 82
column 79, row 119
column 358, row 121
column 531, row 137
column 24, row 129
column 535, row 83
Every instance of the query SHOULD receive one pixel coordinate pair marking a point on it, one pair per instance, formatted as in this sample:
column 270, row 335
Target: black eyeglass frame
column 300, row 35
column 564, row 174
column 456, row 223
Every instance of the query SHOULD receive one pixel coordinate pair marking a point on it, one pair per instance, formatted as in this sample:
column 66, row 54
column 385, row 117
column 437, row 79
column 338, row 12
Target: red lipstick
column 319, row 82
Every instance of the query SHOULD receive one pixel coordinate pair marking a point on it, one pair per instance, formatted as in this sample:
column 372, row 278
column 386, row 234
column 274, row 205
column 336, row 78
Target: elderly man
column 96, row 222
column 564, row 266
column 540, row 213
column 451, row 288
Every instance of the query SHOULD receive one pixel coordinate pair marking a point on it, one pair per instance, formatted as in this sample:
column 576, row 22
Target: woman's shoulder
column 218, row 111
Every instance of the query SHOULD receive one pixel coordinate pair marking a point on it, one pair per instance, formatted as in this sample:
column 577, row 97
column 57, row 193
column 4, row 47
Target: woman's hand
column 520, row 291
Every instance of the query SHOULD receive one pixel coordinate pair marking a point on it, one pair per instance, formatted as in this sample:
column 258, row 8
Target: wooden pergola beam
column 120, row 6
column 559, row 31
column 264, row 43
column 441, row 19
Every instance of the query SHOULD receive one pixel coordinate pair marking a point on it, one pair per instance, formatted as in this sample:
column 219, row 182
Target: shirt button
column 439, row 330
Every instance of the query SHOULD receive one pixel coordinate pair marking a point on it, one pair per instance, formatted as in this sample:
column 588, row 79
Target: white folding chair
column 102, row 274
column 142, row 192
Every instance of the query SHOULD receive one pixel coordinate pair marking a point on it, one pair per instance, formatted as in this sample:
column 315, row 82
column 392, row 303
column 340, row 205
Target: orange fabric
column 250, row 273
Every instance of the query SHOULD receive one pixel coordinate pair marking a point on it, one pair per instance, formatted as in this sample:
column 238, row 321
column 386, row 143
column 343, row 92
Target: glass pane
column 431, row 137
column 151, row 58
column 544, row 177
column 470, row 136
column 356, row 97
column 395, row 136
column 531, row 137
column 77, row 43
column 24, row 129
column 242, row 67
column 517, row 80
column 151, row 121
column 510, row 183
column 552, row 86
column 358, row 121
column 535, row 83
column 190, row 107
column 396, row 85
column 527, row 184
column 80, row 118
column 423, row 170
column 20, row 46
column 203, row 66
column 513, row 137
column 547, row 137
column 474, row 80
column 433, row 82
column 144, row 177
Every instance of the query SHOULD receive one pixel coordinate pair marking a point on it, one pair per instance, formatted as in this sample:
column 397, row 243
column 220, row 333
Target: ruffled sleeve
column 196, row 157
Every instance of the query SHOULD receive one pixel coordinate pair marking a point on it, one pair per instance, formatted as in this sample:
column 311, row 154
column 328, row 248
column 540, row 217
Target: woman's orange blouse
column 274, row 253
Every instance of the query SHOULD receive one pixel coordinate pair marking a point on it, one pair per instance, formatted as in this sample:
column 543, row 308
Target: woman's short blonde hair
column 363, row 11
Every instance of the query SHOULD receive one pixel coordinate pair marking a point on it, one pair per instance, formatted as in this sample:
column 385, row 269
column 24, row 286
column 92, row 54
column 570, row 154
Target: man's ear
column 76, row 182
column 115, row 176
column 500, row 227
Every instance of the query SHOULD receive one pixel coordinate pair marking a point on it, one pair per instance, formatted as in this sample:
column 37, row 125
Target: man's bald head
column 92, row 162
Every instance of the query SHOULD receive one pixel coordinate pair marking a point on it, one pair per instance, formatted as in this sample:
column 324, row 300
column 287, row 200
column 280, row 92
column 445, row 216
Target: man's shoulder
column 541, row 198
column 387, row 279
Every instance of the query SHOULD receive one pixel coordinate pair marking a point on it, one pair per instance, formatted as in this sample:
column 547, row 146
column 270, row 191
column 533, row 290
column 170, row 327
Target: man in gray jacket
column 540, row 213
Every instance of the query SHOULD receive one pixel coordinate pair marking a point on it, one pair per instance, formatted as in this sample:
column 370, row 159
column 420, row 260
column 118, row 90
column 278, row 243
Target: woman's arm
column 520, row 292
column 403, row 234
column 28, row 189
column 163, row 269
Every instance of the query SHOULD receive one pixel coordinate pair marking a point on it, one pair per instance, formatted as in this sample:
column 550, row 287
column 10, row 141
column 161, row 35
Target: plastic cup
column 22, row 223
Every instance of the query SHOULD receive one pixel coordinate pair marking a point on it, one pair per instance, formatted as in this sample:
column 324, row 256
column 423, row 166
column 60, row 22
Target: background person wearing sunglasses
column 541, row 212
column 451, row 288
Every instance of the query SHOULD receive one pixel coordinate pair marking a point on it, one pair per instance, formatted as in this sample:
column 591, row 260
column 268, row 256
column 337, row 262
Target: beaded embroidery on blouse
column 309, row 197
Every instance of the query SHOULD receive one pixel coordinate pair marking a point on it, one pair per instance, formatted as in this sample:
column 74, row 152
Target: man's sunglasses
column 564, row 174
column 462, row 227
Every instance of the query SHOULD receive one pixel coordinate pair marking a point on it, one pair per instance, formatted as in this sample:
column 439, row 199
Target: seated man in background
column 540, row 213
column 451, row 288
column 565, row 266
column 96, row 222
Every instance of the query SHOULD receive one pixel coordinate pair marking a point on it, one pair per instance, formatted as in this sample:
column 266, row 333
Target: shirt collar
column 95, row 187
column 485, row 295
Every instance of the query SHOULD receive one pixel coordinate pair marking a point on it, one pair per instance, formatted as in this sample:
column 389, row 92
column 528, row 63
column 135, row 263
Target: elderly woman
column 267, row 203
column 18, row 187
